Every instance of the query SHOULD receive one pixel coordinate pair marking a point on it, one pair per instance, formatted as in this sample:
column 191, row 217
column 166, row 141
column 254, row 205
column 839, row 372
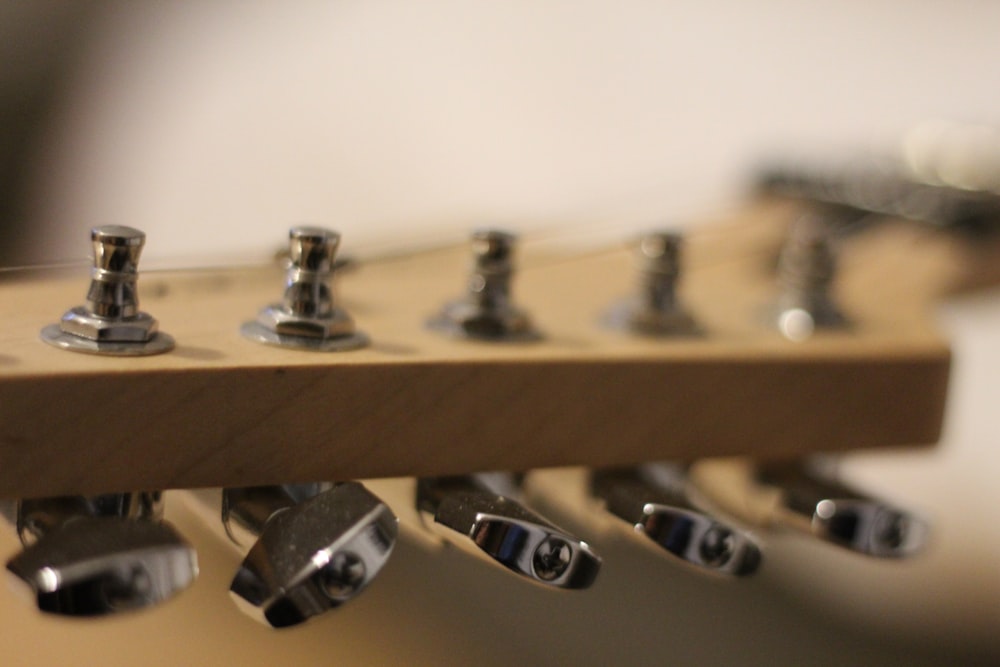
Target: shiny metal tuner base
column 655, row 501
column 158, row 344
column 830, row 510
column 258, row 333
column 100, row 555
column 506, row 533
column 319, row 546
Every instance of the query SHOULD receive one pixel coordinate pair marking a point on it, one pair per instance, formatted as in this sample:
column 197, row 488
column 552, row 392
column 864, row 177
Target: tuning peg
column 110, row 323
column 487, row 311
column 802, row 496
column 656, row 310
column 806, row 271
column 656, row 501
column 307, row 317
column 317, row 546
column 100, row 555
column 477, row 511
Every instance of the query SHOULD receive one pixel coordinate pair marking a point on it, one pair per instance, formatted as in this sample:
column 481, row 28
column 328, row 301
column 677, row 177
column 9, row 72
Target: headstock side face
column 222, row 411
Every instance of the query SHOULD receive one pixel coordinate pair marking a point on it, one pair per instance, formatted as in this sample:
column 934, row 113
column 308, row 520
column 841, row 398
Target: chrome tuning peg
column 312, row 547
column 487, row 311
column 110, row 323
column 809, row 498
column 655, row 499
column 478, row 511
column 92, row 556
column 656, row 309
column 307, row 317
column 807, row 267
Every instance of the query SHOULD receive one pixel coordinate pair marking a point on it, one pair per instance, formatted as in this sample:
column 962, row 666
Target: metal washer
column 158, row 344
column 260, row 334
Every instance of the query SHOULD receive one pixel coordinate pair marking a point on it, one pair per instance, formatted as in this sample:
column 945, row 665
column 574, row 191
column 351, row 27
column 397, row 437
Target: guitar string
column 550, row 235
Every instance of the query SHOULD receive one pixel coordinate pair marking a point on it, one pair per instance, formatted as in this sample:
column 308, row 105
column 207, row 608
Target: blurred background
column 212, row 126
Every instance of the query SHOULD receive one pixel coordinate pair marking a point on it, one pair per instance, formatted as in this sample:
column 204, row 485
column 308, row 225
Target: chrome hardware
column 656, row 501
column 90, row 556
column 656, row 309
column 806, row 497
column 806, row 270
column 110, row 323
column 487, row 311
column 815, row 501
column 317, row 547
column 476, row 509
column 307, row 317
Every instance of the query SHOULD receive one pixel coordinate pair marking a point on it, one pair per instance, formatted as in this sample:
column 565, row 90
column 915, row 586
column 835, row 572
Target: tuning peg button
column 487, row 311
column 100, row 555
column 655, row 501
column 832, row 511
column 507, row 533
column 317, row 547
column 110, row 323
column 307, row 317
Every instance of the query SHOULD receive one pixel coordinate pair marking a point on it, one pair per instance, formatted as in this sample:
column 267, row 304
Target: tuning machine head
column 807, row 267
column 655, row 500
column 110, row 323
column 487, row 311
column 307, row 317
column 317, row 547
column 656, row 310
column 100, row 555
column 477, row 514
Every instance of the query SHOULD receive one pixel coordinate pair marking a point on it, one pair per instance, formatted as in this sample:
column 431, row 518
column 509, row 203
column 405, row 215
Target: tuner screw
column 110, row 323
column 806, row 270
column 487, row 311
column 656, row 310
column 343, row 576
column 717, row 546
column 307, row 317
column 552, row 558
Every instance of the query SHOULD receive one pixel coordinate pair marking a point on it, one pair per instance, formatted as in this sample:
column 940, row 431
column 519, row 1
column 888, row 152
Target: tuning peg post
column 110, row 323
column 307, row 317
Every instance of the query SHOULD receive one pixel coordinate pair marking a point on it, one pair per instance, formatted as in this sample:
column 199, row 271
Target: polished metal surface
column 110, row 323
column 654, row 499
column 836, row 513
column 656, row 309
column 318, row 546
column 487, row 311
column 307, row 317
column 92, row 556
column 806, row 271
column 504, row 531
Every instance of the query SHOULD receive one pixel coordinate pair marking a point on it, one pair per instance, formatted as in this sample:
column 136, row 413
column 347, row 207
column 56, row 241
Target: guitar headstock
column 220, row 410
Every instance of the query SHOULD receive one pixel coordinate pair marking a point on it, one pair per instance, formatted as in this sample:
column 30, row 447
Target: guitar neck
column 222, row 411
